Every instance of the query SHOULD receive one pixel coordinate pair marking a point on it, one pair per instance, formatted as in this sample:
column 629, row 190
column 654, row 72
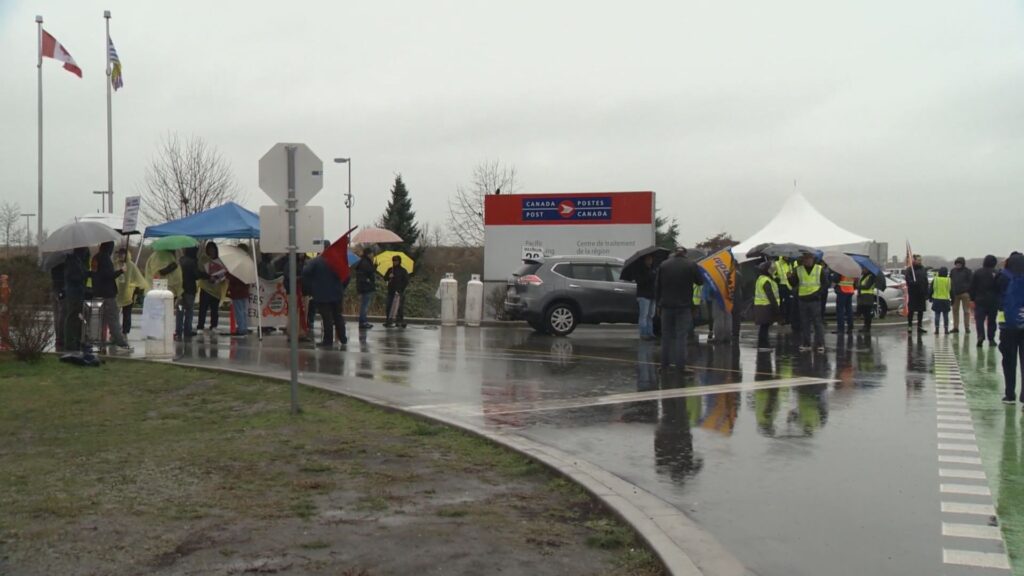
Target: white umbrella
column 238, row 262
column 842, row 263
column 376, row 236
column 115, row 221
column 79, row 235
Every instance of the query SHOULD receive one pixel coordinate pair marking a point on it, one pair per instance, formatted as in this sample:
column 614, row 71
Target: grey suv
column 558, row 293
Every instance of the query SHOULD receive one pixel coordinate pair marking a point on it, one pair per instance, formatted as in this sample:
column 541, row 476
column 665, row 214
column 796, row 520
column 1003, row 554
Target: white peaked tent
column 801, row 223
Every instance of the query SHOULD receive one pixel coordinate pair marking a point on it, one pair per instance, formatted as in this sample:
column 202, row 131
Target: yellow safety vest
column 782, row 272
column 696, row 294
column 1000, row 317
column 810, row 282
column 940, row 288
column 869, row 288
column 764, row 285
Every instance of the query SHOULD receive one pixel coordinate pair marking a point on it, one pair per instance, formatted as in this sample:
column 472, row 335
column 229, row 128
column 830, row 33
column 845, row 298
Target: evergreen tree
column 665, row 237
column 400, row 218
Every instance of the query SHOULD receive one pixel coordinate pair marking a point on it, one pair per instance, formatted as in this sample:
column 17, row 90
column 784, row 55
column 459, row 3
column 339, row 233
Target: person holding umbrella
column 867, row 288
column 212, row 286
column 366, row 286
column 76, row 270
column 674, row 293
column 810, row 282
column 397, row 278
column 646, row 276
column 105, row 288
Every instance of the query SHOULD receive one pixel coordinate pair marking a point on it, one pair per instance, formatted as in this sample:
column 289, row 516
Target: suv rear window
column 595, row 272
column 527, row 269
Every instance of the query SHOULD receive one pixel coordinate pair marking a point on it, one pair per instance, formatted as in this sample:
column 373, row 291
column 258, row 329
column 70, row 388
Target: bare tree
column 10, row 212
column 187, row 176
column 431, row 235
column 466, row 206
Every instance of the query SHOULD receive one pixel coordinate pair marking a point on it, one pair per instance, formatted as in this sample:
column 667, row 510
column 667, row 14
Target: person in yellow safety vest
column 941, row 296
column 810, row 282
column 766, row 305
column 866, row 292
column 781, row 270
column 844, row 289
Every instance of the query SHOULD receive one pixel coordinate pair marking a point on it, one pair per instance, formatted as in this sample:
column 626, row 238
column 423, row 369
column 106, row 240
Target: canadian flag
column 52, row 49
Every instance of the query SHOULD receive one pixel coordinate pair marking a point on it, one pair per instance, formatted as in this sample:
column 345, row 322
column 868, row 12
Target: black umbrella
column 758, row 250
column 788, row 250
column 696, row 254
column 631, row 263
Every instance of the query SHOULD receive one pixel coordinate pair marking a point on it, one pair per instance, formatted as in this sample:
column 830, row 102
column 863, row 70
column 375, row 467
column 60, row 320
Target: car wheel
column 561, row 319
column 883, row 308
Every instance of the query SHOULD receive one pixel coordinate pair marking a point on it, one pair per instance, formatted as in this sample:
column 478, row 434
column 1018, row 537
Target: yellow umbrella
column 383, row 261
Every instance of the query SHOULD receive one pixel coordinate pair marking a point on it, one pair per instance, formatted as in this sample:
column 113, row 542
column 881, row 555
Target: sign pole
column 293, row 300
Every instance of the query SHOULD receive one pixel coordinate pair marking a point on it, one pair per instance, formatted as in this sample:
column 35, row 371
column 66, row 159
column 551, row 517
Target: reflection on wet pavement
column 798, row 463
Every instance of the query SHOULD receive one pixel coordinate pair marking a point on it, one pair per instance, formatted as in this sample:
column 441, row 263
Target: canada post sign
column 530, row 226
column 566, row 209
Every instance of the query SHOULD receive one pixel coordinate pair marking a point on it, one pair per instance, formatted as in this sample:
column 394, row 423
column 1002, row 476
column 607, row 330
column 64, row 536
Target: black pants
column 866, row 310
column 762, row 336
column 211, row 303
column 183, row 318
column 72, row 324
column 910, row 319
column 675, row 327
column 785, row 306
column 1011, row 344
column 126, row 319
column 981, row 315
column 330, row 312
column 810, row 319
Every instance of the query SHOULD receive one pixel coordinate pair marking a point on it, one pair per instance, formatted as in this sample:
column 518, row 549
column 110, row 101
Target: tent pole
column 259, row 295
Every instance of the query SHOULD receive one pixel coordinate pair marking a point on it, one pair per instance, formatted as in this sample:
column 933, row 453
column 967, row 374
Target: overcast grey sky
column 897, row 119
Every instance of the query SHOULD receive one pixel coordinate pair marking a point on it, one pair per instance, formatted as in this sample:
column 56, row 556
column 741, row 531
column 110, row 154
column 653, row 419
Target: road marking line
column 979, row 531
column 975, row 559
column 959, row 459
column 958, row 447
column 968, row 489
column 954, row 426
column 955, row 436
column 964, row 474
column 959, row 403
column 955, row 417
column 950, row 411
column 969, row 508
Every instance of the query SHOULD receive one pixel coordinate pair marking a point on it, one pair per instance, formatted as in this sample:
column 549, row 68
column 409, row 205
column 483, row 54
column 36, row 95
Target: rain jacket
column 129, row 282
column 366, row 275
column 210, row 267
column 322, row 282
column 75, row 274
column 397, row 278
column 190, row 272
column 984, row 291
column 917, row 287
column 961, row 279
column 676, row 278
column 104, row 274
column 164, row 260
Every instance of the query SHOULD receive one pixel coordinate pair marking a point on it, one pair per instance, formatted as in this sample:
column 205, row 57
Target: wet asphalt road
column 798, row 463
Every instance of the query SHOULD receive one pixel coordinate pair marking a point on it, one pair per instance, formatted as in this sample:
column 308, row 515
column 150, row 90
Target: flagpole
column 39, row 69
column 110, row 145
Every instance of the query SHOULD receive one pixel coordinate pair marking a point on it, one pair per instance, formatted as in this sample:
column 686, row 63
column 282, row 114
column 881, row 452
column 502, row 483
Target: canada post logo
column 555, row 208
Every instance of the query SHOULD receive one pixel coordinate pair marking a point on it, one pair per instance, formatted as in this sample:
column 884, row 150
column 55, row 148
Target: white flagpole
column 39, row 68
column 110, row 145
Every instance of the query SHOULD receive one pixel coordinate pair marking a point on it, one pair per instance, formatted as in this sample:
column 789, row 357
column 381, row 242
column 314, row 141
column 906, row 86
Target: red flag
column 53, row 49
column 336, row 256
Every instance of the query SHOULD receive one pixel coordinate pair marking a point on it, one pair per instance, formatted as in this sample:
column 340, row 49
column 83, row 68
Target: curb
column 666, row 530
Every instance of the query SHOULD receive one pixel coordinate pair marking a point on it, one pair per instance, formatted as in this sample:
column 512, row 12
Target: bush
column 29, row 328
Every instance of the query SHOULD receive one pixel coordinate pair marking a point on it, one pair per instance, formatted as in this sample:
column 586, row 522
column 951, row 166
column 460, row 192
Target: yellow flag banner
column 719, row 270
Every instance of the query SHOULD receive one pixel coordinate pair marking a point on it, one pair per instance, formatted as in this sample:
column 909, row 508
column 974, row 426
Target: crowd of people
column 793, row 292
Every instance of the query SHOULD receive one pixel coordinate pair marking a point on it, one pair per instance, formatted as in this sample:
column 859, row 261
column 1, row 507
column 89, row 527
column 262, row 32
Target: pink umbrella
column 376, row 236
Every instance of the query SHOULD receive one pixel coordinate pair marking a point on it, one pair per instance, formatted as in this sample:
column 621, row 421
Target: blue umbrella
column 866, row 263
column 352, row 258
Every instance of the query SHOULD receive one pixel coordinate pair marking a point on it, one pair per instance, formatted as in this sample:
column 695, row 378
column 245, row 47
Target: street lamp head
column 341, row 160
column 39, row 19
column 106, row 14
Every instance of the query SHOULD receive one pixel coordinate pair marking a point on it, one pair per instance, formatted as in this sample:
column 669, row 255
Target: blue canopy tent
column 225, row 221
column 228, row 220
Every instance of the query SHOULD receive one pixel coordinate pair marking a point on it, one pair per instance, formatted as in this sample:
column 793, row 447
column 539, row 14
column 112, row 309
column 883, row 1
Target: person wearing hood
column 1010, row 284
column 673, row 292
column 76, row 270
column 960, row 277
column 190, row 276
column 916, row 278
column 941, row 295
column 366, row 286
column 213, row 286
column 766, row 305
column 104, row 287
column 985, row 298
column 127, row 283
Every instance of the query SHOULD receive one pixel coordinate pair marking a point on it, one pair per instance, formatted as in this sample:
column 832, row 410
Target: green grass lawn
column 157, row 450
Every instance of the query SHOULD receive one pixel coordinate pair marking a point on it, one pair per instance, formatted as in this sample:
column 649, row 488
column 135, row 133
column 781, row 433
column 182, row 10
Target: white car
column 890, row 299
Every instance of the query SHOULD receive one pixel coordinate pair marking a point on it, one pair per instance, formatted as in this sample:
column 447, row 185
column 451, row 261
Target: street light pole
column 348, row 196
column 28, row 229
